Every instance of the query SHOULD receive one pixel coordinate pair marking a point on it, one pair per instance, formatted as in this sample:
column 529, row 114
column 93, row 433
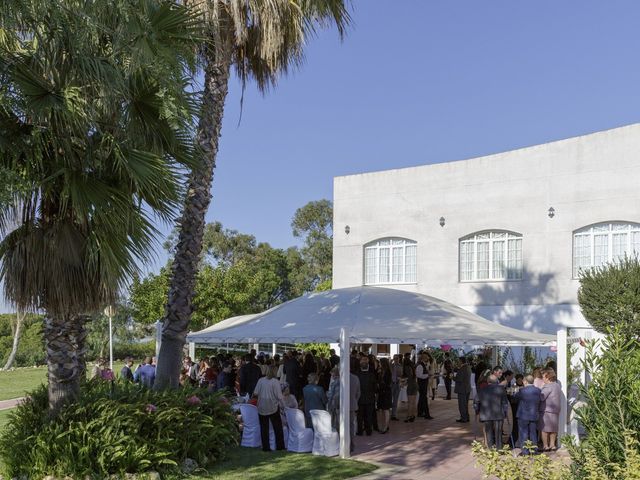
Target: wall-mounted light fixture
column 442, row 221
column 347, row 229
column 551, row 212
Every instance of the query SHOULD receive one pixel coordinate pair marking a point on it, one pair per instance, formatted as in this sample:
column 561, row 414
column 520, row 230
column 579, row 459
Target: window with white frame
column 603, row 243
column 491, row 256
column 390, row 260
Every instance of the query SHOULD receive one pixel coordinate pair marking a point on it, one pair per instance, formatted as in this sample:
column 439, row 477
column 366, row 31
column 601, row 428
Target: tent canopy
column 369, row 315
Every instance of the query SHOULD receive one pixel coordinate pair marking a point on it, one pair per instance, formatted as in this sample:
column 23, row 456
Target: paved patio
column 438, row 449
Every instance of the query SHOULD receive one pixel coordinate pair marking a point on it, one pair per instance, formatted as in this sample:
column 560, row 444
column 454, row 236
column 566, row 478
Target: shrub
column 504, row 465
column 610, row 296
column 135, row 350
column 611, row 415
column 117, row 428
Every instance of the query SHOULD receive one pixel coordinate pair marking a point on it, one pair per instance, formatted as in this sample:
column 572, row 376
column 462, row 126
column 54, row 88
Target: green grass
column 254, row 464
column 14, row 383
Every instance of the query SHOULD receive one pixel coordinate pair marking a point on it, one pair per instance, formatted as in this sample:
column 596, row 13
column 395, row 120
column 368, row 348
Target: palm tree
column 262, row 39
column 95, row 118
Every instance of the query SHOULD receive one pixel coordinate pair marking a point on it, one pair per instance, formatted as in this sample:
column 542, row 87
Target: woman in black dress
column 384, row 393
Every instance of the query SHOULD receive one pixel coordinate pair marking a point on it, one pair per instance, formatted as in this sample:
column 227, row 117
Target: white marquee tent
column 365, row 315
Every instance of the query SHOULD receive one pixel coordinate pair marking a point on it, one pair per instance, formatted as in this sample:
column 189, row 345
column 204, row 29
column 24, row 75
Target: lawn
column 254, row 464
column 4, row 417
column 14, row 383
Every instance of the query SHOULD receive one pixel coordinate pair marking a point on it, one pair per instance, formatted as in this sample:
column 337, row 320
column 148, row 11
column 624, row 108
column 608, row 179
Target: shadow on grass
column 252, row 463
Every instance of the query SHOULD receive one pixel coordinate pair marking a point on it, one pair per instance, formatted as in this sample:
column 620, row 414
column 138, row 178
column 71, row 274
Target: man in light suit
column 527, row 414
column 491, row 403
column 463, row 389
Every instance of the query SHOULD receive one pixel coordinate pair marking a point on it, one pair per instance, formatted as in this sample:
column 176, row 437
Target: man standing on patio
column 396, row 373
column 463, row 389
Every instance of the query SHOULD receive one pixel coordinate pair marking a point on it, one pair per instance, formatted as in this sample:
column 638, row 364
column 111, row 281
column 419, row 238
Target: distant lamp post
column 347, row 229
column 110, row 312
column 551, row 212
column 442, row 221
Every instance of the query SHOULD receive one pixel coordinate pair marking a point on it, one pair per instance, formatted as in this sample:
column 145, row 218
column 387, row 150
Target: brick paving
column 438, row 449
column 5, row 404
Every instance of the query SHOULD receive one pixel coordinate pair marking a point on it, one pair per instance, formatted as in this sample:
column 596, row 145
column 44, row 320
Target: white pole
column 561, row 362
column 110, row 344
column 192, row 351
column 273, row 350
column 345, row 390
column 158, row 337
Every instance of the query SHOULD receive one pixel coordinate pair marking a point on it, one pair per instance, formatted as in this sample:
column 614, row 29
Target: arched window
column 492, row 255
column 390, row 260
column 603, row 243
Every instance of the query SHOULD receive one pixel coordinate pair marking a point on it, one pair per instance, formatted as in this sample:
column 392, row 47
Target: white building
column 504, row 236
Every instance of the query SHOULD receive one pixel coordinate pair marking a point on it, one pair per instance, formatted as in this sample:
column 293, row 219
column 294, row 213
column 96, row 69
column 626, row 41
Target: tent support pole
column 345, row 389
column 561, row 363
column 192, row 351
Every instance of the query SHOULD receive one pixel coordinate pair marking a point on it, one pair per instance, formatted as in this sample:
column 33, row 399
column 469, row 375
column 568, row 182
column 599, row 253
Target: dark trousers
column 276, row 421
column 447, row 385
column 527, row 430
column 493, row 433
column 395, row 395
column 365, row 418
column 463, row 406
column 423, row 401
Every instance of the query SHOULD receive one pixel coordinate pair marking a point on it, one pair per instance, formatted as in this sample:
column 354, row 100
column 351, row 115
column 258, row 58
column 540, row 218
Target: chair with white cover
column 300, row 437
column 251, row 431
column 326, row 441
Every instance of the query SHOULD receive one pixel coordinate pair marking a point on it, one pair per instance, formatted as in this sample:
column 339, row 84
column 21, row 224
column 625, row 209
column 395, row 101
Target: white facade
column 526, row 278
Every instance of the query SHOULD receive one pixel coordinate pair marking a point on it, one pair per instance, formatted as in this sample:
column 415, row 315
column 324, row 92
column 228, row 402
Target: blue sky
column 418, row 82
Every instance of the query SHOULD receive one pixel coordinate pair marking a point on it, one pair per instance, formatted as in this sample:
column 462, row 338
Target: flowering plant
column 194, row 400
column 151, row 408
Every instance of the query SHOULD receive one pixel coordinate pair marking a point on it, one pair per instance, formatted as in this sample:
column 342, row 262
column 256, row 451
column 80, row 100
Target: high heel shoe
column 412, row 419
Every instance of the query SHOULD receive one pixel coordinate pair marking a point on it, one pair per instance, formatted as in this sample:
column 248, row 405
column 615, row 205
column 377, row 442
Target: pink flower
column 194, row 400
column 151, row 408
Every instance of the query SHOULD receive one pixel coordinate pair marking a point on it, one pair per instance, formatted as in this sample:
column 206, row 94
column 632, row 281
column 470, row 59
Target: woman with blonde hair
column 551, row 399
column 270, row 399
column 537, row 377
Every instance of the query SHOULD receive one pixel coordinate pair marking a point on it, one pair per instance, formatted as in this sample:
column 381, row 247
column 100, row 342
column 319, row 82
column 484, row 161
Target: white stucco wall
column 589, row 179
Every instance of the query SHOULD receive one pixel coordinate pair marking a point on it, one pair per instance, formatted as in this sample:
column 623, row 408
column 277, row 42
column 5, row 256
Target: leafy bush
column 31, row 347
column 610, row 296
column 135, row 350
column 611, row 414
column 117, row 428
column 504, row 465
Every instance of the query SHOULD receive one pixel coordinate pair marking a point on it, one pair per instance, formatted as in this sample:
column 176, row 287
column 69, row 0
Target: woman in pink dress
column 551, row 399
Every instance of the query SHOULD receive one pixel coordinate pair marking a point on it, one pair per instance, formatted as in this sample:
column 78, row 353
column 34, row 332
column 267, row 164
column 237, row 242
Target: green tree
column 30, row 351
column 262, row 39
column 609, row 296
column 148, row 297
column 95, row 117
column 314, row 223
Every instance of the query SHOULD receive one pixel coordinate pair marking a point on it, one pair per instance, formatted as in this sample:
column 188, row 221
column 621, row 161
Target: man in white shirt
column 422, row 374
column 270, row 399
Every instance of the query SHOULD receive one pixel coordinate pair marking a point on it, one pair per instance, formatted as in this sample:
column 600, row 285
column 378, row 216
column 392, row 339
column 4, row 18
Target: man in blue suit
column 528, row 405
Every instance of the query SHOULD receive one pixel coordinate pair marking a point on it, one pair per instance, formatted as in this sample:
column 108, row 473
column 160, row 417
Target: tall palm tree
column 96, row 119
column 262, row 39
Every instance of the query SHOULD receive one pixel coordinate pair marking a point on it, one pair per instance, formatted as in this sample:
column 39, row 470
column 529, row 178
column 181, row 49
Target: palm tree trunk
column 17, row 333
column 65, row 338
column 191, row 225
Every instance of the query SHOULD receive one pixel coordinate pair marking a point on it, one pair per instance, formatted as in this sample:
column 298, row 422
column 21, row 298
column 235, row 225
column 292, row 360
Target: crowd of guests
column 310, row 381
column 534, row 400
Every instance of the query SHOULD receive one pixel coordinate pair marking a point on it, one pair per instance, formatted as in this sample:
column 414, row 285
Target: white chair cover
column 251, row 431
column 325, row 441
column 300, row 438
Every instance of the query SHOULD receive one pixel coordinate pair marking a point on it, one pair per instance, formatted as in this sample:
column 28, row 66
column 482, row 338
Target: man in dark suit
column 367, row 400
column 249, row 373
column 293, row 373
column 527, row 414
column 463, row 389
column 126, row 373
column 491, row 403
